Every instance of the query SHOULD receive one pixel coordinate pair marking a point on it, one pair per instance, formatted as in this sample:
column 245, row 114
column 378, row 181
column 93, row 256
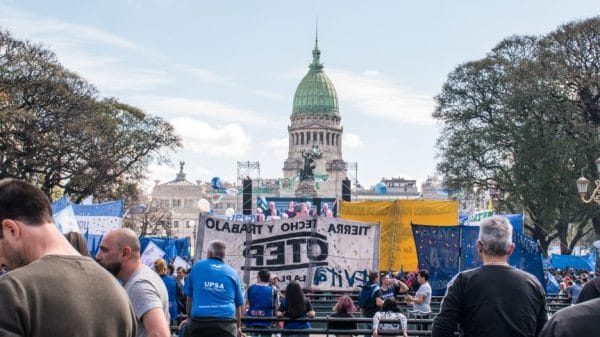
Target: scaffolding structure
column 250, row 169
column 352, row 171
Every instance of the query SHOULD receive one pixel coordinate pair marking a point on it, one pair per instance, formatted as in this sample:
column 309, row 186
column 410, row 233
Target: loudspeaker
column 346, row 191
column 317, row 204
column 247, row 196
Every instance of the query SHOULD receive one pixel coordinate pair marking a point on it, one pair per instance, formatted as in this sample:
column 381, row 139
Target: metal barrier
column 326, row 331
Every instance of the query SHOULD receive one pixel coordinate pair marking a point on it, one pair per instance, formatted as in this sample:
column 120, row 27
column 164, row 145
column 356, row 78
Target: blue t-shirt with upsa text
column 215, row 289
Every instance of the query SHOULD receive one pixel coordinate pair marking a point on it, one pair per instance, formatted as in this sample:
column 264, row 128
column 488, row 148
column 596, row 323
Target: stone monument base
column 306, row 189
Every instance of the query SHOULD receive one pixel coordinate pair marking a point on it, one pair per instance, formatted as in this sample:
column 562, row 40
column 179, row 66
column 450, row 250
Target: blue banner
column 584, row 262
column 173, row 247
column 437, row 251
column 552, row 286
column 60, row 204
column 95, row 219
column 470, row 257
column 445, row 251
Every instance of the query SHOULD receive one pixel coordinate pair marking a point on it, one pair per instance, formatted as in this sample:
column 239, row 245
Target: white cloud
column 220, row 141
column 87, row 50
column 277, row 149
column 381, row 98
column 351, row 140
column 61, row 33
column 108, row 74
column 269, row 94
column 198, row 108
column 205, row 75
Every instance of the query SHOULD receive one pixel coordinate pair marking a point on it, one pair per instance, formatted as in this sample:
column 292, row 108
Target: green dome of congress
column 315, row 95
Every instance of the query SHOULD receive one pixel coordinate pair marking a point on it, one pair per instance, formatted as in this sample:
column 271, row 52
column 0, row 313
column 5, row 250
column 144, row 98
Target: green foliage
column 525, row 118
column 56, row 131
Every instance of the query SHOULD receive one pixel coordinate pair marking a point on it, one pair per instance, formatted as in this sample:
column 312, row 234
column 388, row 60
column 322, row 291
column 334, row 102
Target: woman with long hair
column 78, row 242
column 160, row 266
column 295, row 305
column 344, row 308
column 390, row 311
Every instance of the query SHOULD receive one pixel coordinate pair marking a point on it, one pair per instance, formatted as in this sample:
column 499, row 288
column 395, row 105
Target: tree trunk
column 563, row 230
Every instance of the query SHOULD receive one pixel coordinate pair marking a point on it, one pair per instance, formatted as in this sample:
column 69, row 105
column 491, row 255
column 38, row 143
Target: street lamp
column 582, row 187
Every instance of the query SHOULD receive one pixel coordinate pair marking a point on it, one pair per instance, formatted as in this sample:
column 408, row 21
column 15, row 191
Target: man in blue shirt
column 214, row 296
column 574, row 291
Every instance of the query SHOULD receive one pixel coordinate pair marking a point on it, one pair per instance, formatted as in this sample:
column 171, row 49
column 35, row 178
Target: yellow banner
column 397, row 246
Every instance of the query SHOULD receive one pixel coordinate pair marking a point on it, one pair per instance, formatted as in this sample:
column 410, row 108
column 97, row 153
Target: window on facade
column 175, row 203
column 187, row 224
column 188, row 203
column 175, row 224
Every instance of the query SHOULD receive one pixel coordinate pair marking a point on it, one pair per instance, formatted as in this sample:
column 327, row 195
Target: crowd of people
column 299, row 211
column 52, row 288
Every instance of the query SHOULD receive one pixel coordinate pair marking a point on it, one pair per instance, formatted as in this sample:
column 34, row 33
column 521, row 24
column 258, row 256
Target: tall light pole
column 582, row 187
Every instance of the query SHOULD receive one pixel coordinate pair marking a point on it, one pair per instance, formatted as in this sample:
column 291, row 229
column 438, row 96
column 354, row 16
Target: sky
column 224, row 73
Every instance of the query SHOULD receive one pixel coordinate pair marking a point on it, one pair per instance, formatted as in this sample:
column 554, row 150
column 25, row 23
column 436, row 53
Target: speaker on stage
column 317, row 204
column 247, row 196
column 346, row 191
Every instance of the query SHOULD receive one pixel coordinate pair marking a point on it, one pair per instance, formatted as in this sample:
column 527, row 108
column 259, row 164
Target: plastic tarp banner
column 584, row 262
column 444, row 251
column 172, row 247
column 318, row 252
column 397, row 245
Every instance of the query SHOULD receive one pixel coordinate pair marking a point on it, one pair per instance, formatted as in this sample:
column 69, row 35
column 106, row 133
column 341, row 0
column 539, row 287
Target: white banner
column 319, row 252
column 66, row 221
column 179, row 262
column 476, row 217
column 151, row 254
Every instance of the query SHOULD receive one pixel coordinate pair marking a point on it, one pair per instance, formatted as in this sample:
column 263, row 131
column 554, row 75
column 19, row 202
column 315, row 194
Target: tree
column 56, row 132
column 504, row 124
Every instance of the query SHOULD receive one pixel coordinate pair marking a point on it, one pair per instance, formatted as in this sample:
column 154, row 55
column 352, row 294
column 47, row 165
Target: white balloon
column 229, row 212
column 204, row 205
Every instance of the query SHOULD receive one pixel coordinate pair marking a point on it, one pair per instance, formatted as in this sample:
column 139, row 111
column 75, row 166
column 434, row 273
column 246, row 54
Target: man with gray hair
column 495, row 299
column 214, row 296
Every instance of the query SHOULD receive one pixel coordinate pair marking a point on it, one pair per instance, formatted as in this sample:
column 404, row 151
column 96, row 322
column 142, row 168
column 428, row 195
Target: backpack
column 366, row 298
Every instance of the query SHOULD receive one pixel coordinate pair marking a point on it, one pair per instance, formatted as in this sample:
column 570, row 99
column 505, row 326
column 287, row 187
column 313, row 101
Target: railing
column 323, row 304
column 324, row 330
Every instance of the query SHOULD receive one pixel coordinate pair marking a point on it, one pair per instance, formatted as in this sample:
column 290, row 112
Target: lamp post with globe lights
column 582, row 187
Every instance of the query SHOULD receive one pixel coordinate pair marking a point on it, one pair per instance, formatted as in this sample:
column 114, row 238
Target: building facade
column 315, row 121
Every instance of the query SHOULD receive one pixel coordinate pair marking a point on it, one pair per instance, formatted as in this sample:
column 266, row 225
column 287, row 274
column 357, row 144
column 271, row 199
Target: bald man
column 51, row 290
column 120, row 254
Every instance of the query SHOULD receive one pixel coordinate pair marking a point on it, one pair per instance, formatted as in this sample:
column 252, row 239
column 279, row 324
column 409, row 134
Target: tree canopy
column 57, row 132
column 525, row 118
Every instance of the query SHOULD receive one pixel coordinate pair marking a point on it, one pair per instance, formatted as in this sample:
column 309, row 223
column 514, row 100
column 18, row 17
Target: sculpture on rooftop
column 307, row 173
